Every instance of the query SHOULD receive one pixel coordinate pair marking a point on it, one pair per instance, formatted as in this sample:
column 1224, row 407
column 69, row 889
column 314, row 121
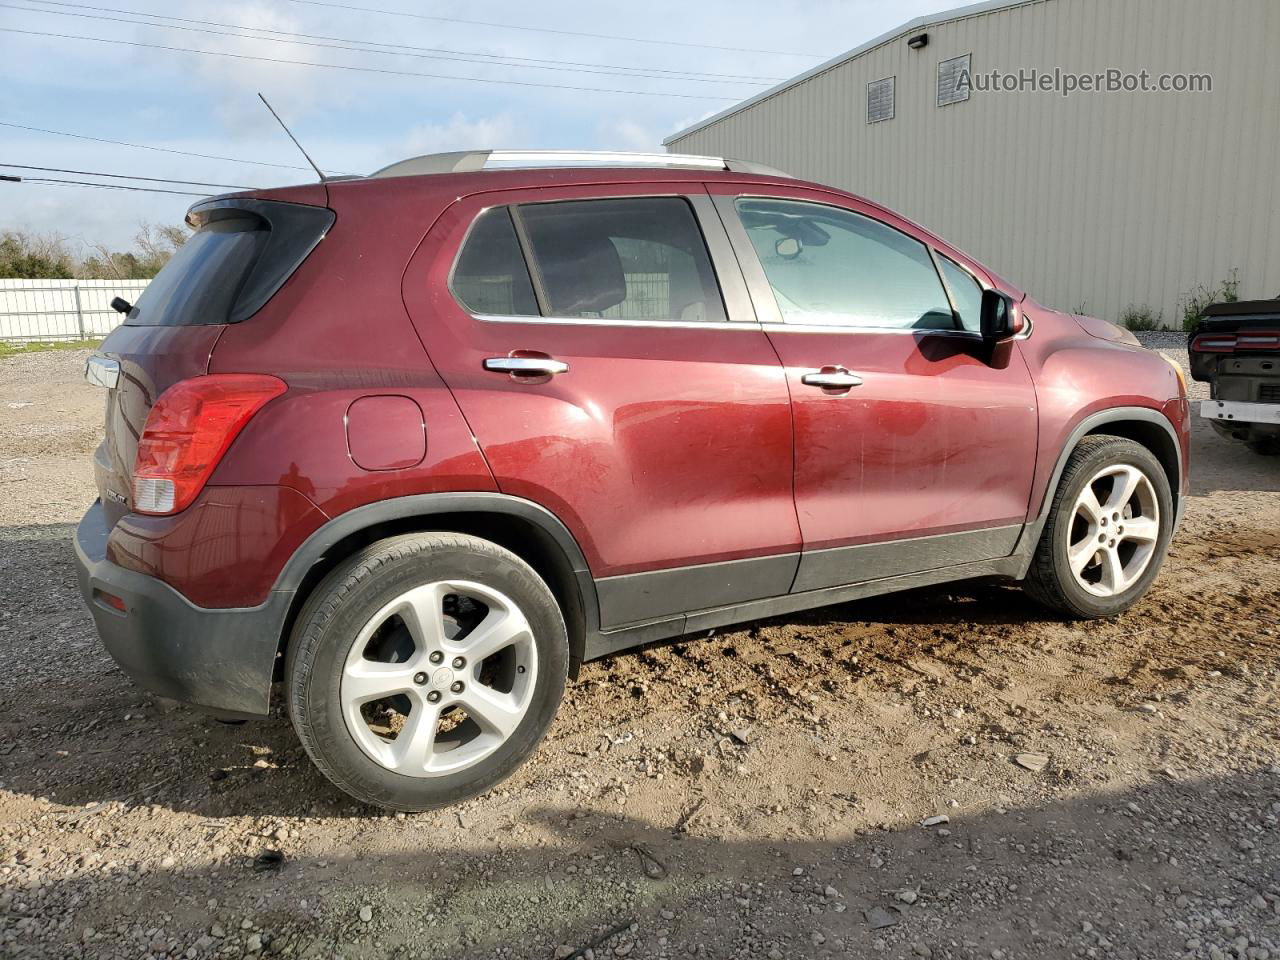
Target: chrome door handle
column 832, row 378
column 526, row 366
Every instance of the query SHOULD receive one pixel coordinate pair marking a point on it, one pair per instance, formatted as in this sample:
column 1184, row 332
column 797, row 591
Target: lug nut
column 419, row 678
column 1102, row 538
column 433, row 696
column 436, row 656
column 456, row 686
column 520, row 669
column 459, row 663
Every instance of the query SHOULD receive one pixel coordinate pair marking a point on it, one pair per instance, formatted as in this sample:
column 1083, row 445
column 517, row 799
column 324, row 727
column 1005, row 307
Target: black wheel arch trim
column 1092, row 424
column 429, row 505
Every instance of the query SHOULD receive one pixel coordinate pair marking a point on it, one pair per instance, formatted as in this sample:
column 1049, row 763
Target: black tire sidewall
column 324, row 641
column 1119, row 452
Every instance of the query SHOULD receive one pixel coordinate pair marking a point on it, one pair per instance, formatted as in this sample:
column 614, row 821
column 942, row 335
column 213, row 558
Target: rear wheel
column 426, row 669
column 1107, row 531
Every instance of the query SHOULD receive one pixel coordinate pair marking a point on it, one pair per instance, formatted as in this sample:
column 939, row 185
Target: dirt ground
column 759, row 793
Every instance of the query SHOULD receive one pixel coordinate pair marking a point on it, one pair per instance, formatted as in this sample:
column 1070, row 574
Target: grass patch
column 1140, row 317
column 1198, row 300
column 11, row 349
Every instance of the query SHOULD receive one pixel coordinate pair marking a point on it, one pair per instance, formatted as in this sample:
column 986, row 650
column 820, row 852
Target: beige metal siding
column 1096, row 201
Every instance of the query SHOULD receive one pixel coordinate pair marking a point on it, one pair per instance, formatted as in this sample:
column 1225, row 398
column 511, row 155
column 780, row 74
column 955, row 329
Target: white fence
column 62, row 309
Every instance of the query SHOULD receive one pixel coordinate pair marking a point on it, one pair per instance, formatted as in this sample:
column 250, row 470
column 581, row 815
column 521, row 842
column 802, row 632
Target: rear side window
column 640, row 258
column 241, row 254
column 491, row 276
column 832, row 267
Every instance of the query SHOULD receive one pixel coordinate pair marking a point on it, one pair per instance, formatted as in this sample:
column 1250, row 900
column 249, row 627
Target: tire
column 1121, row 567
column 402, row 601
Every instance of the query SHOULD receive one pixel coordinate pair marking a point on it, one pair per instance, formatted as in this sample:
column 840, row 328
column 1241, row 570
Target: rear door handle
column 832, row 378
column 526, row 366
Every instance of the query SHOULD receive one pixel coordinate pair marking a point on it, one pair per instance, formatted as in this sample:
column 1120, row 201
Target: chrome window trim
column 842, row 329
column 610, row 322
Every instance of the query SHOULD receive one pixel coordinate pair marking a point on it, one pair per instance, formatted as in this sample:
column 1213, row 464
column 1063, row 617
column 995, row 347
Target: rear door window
column 490, row 276
column 634, row 258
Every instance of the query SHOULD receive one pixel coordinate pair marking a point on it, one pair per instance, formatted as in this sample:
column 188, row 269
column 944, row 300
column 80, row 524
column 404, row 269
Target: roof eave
column 928, row 20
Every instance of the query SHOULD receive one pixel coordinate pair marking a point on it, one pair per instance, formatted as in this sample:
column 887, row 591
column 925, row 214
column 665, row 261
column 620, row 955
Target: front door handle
column 832, row 378
column 526, row 366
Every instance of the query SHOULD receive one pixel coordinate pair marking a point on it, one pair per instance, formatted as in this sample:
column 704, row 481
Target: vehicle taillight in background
column 188, row 430
column 1231, row 342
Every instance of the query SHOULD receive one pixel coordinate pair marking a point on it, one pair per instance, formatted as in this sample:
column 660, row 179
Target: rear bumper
column 1233, row 411
column 220, row 659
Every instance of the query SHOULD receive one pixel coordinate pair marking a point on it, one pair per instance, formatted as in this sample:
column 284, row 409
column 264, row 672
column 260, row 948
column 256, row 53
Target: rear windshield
column 201, row 282
column 242, row 253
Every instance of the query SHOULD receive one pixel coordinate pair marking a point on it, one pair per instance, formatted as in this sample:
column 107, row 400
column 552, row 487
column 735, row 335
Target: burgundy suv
column 416, row 445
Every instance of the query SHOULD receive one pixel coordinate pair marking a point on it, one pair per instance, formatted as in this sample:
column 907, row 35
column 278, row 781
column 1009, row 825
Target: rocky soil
column 949, row 773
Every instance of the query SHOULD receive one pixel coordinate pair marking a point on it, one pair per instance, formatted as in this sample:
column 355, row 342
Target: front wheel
column 1107, row 531
column 426, row 669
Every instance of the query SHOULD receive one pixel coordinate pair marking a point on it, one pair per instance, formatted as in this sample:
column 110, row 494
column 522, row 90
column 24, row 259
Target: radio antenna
column 319, row 172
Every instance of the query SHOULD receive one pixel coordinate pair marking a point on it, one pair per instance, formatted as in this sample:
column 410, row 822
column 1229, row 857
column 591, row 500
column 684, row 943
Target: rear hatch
column 1236, row 348
column 243, row 251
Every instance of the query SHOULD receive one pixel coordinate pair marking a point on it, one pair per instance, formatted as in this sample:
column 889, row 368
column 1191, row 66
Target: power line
column 440, row 53
column 343, row 46
column 351, row 67
column 563, row 33
column 110, row 186
column 146, row 146
column 125, row 176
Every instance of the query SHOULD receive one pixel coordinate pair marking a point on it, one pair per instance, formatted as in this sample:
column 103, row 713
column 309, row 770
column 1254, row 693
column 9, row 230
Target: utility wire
column 125, row 176
column 147, row 146
column 352, row 68
column 563, row 33
column 110, row 186
column 343, row 46
column 498, row 59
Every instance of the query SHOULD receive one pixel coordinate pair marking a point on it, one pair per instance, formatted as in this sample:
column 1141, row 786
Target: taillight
column 1268, row 340
column 188, row 430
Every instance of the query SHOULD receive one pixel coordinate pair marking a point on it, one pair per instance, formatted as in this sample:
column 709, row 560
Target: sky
column 669, row 72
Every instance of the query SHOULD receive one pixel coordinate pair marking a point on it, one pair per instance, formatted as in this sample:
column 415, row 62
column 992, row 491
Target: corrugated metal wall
column 1096, row 201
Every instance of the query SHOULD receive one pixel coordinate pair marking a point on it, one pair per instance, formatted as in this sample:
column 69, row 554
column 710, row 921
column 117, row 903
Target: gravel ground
column 947, row 773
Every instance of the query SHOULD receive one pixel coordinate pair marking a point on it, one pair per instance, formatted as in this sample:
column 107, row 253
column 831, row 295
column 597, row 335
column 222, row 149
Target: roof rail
column 465, row 161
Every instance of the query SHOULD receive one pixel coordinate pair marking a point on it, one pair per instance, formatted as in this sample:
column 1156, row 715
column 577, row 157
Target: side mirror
column 1001, row 318
column 121, row 305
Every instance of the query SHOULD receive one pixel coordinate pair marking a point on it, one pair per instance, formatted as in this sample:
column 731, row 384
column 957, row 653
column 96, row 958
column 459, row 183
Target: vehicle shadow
column 75, row 730
column 1130, row 873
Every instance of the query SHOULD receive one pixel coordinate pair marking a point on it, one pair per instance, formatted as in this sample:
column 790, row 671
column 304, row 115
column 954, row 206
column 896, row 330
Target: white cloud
column 628, row 135
column 459, row 132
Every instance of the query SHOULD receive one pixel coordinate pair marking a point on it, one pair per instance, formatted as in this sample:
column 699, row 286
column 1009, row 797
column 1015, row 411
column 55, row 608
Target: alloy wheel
column 439, row 678
column 1115, row 526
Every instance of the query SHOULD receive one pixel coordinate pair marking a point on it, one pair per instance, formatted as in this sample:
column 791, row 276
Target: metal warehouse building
column 1092, row 201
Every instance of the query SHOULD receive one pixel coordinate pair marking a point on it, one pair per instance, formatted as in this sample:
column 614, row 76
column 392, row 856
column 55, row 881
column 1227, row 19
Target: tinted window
column 966, row 292
column 200, row 284
column 831, row 267
column 627, row 259
column 490, row 276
